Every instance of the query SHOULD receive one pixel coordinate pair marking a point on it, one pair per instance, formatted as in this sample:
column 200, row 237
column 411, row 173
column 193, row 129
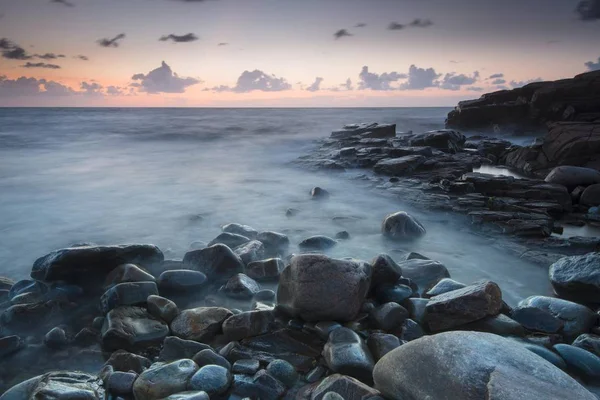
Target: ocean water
column 174, row 176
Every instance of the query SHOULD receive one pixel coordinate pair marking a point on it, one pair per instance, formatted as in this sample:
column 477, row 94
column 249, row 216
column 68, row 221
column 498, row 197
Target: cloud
column 12, row 51
column 63, row 2
column 256, row 80
column 496, row 76
column 589, row 10
column 373, row 81
column 189, row 37
column 114, row 42
column 347, row 85
column 342, row 33
column 420, row 78
column 420, row 23
column 498, row 81
column 593, row 66
column 360, row 25
column 162, row 80
column 502, row 87
column 91, row 88
column 454, row 62
column 40, row 65
column 23, row 86
column 80, row 57
column 50, row 56
column 316, row 85
column 223, row 44
column 394, row 26
column 475, row 89
column 516, row 84
column 453, row 81
column 115, row 91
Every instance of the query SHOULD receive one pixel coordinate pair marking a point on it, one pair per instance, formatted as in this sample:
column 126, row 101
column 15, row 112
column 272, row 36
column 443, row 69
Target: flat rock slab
column 130, row 328
column 59, row 385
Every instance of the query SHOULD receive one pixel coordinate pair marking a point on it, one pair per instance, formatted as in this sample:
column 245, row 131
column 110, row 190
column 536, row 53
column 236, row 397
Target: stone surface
column 444, row 286
column 200, row 324
column 246, row 367
column 577, row 278
column 262, row 385
column 212, row 379
column 318, row 242
column 240, row 286
column 209, row 357
column 547, row 355
column 319, row 288
column 276, row 244
column 240, row 229
column 382, row 343
column 389, row 316
column 536, row 319
column 181, row 280
column 127, row 294
column 58, row 385
column 230, row 240
column 10, row 344
column 402, row 226
column 124, row 361
column 346, row 353
column 251, row 251
column 162, row 308
column 189, row 395
column 248, row 324
column 498, row 324
column 217, row 262
column 411, row 330
column 175, row 348
column 265, row 270
column 345, row 386
column 572, row 177
column 283, row 371
column 163, row 380
column 130, row 328
column 385, row 271
column 444, row 139
column 319, row 193
column 591, row 196
column 584, row 363
column 393, row 292
column 399, row 166
column 372, row 130
column 589, row 342
column 471, row 365
column 56, row 338
column 121, row 382
column 127, row 273
column 424, row 273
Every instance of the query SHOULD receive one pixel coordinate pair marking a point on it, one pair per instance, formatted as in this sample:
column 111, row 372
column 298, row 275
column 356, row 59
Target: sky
column 287, row 53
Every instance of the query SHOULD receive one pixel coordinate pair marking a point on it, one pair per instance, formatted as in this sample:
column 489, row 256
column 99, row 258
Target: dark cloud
column 454, row 81
column 516, row 84
column 40, row 65
column 115, row 91
column 316, row 85
column 12, row 51
column 342, row 33
column 256, row 80
column 593, row 66
column 63, row 2
column 50, row 56
column 420, row 23
column 373, row 81
column 420, row 78
column 190, row 37
column 498, row 81
column 360, row 25
column 162, row 80
column 114, row 42
column 223, row 44
column 84, row 58
column 32, row 87
column 394, row 26
column 91, row 88
column 589, row 10
column 496, row 76
column 475, row 89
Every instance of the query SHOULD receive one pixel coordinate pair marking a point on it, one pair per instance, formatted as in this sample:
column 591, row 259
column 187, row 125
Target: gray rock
column 212, row 379
column 577, row 278
column 209, row 357
column 200, row 324
column 411, row 330
column 385, row 271
column 162, row 380
column 230, row 240
column 131, row 328
column 342, row 235
column 124, row 361
column 591, row 196
column 240, row 286
column 389, row 316
column 324, row 328
column 175, row 348
column 424, row 273
column 499, row 324
column 162, row 308
column 476, row 366
column 265, row 270
column 318, row 242
column 346, row 387
column 248, row 324
column 58, row 385
column 319, row 193
column 265, row 294
column 217, row 262
column 276, row 244
column 121, row 382
column 382, row 343
column 181, row 280
column 399, row 166
column 10, row 345
column 572, row 177
column 246, row 367
column 283, row 371
column 56, row 338
column 536, row 319
column 250, row 252
column 127, row 294
column 402, row 226
column 584, row 363
column 588, row 342
column 444, row 286
column 240, row 229
column 319, row 288
column 262, row 385
column 547, row 355
column 189, row 395
column 347, row 354
column 366, row 130
column 443, row 139
column 317, row 373
column 127, row 273
column 417, row 309
column 397, row 293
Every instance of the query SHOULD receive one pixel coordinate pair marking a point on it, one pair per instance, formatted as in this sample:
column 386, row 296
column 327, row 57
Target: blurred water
column 145, row 175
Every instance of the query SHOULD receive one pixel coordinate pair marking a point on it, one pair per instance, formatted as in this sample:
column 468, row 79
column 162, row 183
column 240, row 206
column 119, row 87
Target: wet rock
column 212, row 379
column 121, row 382
column 130, row 328
column 424, row 273
column 6, row 283
column 265, row 270
column 124, row 361
column 162, row 308
column 444, row 286
column 476, row 366
column 240, row 286
column 189, row 395
column 498, row 324
column 175, row 348
column 584, row 363
column 127, row 273
column 399, row 166
column 342, row 235
column 402, row 226
column 239, row 229
column 462, row 306
column 209, row 357
column 382, row 343
column 577, row 278
column 283, row 371
column 444, row 139
column 56, row 338
column 536, row 319
column 262, row 385
column 87, row 264
column 200, row 324
column 248, row 324
column 547, row 355
column 26, row 316
column 411, row 330
column 58, row 385
column 276, row 244
column 163, row 380
column 86, row 337
column 389, row 316
column 291, row 212
column 317, row 373
column 324, row 328
column 417, row 309
column 591, row 196
column 265, row 294
column 588, row 342
column 385, row 271
column 319, row 288
column 577, row 319
column 370, row 130
column 251, row 251
column 347, row 354
column 319, row 193
column 217, row 262
column 127, row 294
column 181, row 280
column 393, row 293
column 572, row 177
column 245, row 367
column 10, row 345
column 230, row 240
column 318, row 242
column 346, row 387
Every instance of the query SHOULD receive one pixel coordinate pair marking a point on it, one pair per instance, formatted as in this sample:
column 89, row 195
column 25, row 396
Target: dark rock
column 536, row 319
column 162, row 308
column 444, row 139
column 86, row 337
column 27, row 316
column 230, row 240
column 200, row 324
column 345, row 386
column 393, row 293
column 127, row 294
column 245, row 367
column 175, row 348
column 591, row 196
column 124, row 361
column 10, row 345
column 240, row 286
column 342, row 235
column 402, row 226
column 399, row 166
column 130, row 327
column 476, row 366
column 58, row 385
column 372, row 130
column 265, row 294
column 588, row 342
column 498, row 324
column 319, row 288
column 389, row 316
column 317, row 373
column 385, row 271
column 209, row 357
column 276, row 244
column 424, row 273
column 417, row 309
column 239, row 229
column 265, row 270
column 462, row 306
column 324, row 328
column 163, row 380
column 577, row 278
column 217, row 262
column 584, row 363
column 262, row 385
column 121, row 382
column 444, row 286
column 547, row 355
column 283, row 371
column 248, row 324
column 382, row 343
column 6, row 283
column 318, row 242
column 251, row 251
column 319, row 193
column 411, row 330
column 571, row 177
column 189, row 395
column 347, row 354
column 127, row 273
column 212, row 379
column 56, row 338
column 181, row 280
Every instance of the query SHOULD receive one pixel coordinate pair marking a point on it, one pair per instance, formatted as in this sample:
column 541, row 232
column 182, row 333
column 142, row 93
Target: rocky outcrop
column 366, row 131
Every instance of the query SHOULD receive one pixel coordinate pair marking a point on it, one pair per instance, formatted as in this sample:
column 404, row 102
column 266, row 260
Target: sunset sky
column 286, row 52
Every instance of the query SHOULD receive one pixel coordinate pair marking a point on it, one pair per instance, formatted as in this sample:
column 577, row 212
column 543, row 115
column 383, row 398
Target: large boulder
column 201, row 324
column 346, row 353
column 318, row 288
column 372, row 130
column 402, row 226
column 471, row 366
column 230, row 240
column 577, row 278
column 399, row 166
column 591, row 196
column 240, row 229
column 424, row 273
column 444, row 139
column 162, row 380
column 217, row 262
column 248, row 324
column 131, row 328
column 572, row 177
column 127, row 294
column 58, row 385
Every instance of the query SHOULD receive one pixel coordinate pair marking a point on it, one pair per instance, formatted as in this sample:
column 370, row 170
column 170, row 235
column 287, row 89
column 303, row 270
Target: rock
column 251, row 251
column 411, row 330
column 124, row 361
column 498, row 324
column 230, row 240
column 318, row 242
column 324, row 328
column 385, row 270
column 56, row 338
column 6, row 283
column 175, row 348
column 372, row 130
column 577, row 319
column 189, row 395
column 402, row 226
column 396, row 293
column 571, row 177
column 591, row 196
column 536, row 319
column 265, row 294
column 240, row 286
column 342, row 235
column 444, row 139
column 476, row 366
column 27, row 316
column 584, row 363
column 10, row 345
column 462, row 306
column 127, row 273
column 245, row 367
column 262, row 386
column 389, row 316
column 319, row 193
column 90, row 264
column 163, row 380
column 444, row 286
column 248, row 324
column 121, row 382
column 347, row 354
column 345, row 386
column 212, row 379
column 577, row 278
column 283, row 371
column 86, row 337
column 547, row 355
column 209, row 357
column 291, row 212
column 382, row 343
column 276, row 244
column 319, row 288
column 399, row 166
column 162, row 308
column 217, row 262
column 127, row 294
column 181, row 280
column 317, row 373
column 424, row 273
column 265, row 270
column 130, row 328
column 239, row 229
column 417, row 309
column 58, row 385
column 200, row 324
column 588, row 342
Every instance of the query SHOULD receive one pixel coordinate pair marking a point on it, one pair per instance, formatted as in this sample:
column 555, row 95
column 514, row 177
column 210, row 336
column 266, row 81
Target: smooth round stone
column 265, row 294
column 162, row 380
column 127, row 294
column 342, row 235
column 389, row 316
column 382, row 343
column 240, row 286
column 200, row 324
column 402, row 226
column 536, row 319
column 332, row 396
column 97, row 323
column 189, row 395
column 240, row 229
column 124, row 361
column 572, row 177
column 392, row 293
column 175, row 348
column 346, row 353
column 181, row 280
column 283, row 371
column 230, row 240
column 424, row 273
column 318, row 242
column 275, row 243
column 213, row 379
column 217, row 262
column 121, row 382
column 56, row 338
column 547, row 354
column 162, row 308
column 577, row 278
column 209, row 357
column 246, row 367
column 385, row 271
column 324, row 328
column 10, row 344
column 589, row 342
column 127, row 273
column 444, row 286
column 411, row 330
column 584, row 363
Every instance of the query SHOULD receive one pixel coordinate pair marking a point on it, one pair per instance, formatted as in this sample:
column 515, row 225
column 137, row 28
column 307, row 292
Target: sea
column 174, row 176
